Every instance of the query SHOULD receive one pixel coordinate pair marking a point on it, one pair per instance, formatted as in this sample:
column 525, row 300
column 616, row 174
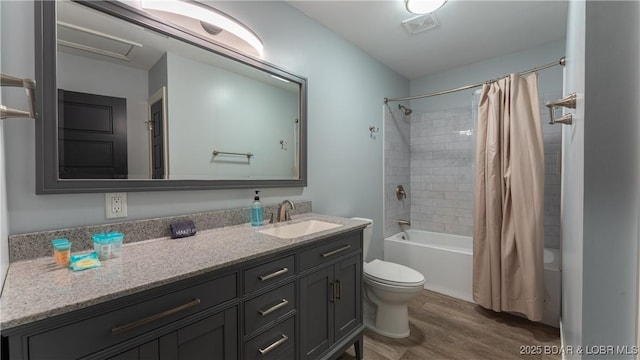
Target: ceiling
column 469, row 30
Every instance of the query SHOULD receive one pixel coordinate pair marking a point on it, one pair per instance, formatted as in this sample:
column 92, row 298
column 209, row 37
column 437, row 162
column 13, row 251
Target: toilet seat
column 392, row 274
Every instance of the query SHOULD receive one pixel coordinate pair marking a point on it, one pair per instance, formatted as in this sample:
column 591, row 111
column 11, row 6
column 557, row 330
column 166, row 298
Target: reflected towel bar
column 216, row 153
column 30, row 86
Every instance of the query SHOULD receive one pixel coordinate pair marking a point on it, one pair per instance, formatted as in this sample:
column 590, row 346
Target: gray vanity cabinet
column 171, row 318
column 214, row 337
column 300, row 303
column 331, row 296
column 348, row 300
column 316, row 308
column 148, row 351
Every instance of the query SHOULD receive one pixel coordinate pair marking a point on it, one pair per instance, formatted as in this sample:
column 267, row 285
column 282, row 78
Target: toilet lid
column 392, row 273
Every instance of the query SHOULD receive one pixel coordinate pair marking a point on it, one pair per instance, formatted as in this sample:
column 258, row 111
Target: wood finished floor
column 443, row 327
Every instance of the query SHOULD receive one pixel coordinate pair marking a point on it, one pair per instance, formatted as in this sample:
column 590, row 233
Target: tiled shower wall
column 440, row 189
column 442, row 171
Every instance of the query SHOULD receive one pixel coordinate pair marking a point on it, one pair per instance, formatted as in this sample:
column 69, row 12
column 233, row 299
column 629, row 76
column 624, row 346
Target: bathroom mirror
column 130, row 102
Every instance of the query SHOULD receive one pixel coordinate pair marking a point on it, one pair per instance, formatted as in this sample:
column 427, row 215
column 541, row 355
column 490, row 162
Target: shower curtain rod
column 559, row 62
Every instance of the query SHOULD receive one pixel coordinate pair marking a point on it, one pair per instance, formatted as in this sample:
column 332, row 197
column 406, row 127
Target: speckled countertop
column 38, row 289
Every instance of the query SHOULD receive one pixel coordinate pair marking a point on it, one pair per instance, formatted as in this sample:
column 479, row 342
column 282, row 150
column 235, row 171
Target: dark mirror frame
column 47, row 180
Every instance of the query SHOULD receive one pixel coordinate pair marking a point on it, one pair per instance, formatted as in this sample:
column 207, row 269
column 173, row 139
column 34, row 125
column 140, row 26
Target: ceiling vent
column 97, row 42
column 420, row 24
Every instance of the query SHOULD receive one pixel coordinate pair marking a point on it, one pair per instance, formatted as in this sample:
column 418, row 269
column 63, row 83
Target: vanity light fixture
column 207, row 15
column 423, row 6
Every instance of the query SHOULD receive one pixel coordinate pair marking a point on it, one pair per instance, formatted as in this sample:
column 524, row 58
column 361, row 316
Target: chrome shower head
column 406, row 110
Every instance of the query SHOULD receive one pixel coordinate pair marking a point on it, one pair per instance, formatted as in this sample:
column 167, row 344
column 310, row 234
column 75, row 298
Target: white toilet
column 388, row 288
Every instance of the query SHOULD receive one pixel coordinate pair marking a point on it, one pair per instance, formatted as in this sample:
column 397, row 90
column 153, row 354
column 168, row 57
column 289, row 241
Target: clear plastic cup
column 62, row 253
column 102, row 246
column 116, row 243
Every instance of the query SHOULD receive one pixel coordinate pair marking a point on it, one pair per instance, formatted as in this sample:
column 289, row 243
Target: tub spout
column 404, row 222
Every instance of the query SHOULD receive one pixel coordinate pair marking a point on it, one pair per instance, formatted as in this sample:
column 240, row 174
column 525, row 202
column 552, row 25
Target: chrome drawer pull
column 274, row 274
column 279, row 305
column 336, row 251
column 158, row 316
column 274, row 345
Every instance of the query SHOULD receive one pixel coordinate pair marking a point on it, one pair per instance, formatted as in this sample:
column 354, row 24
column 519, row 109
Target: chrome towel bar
column 216, row 152
column 569, row 102
column 30, row 86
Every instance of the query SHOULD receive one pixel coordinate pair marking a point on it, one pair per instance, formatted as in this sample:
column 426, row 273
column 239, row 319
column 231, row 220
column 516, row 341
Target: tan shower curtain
column 508, row 199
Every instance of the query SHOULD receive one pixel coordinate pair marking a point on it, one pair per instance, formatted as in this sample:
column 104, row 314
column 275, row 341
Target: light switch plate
column 115, row 205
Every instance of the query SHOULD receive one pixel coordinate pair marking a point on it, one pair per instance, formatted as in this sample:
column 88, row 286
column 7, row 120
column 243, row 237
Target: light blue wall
column 158, row 75
column 602, row 172
column 202, row 118
column 548, row 80
column 611, row 182
column 346, row 88
column 573, row 182
column 4, row 220
column 4, row 255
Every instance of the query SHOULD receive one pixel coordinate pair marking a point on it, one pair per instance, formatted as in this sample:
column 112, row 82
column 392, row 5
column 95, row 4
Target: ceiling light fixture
column 207, row 15
column 423, row 6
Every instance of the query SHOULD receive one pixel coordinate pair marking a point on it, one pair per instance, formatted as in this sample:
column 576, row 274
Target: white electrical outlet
column 116, row 205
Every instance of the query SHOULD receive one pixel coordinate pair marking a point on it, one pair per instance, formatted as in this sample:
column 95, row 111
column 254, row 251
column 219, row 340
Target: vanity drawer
column 275, row 343
column 269, row 273
column 330, row 250
column 268, row 307
column 112, row 327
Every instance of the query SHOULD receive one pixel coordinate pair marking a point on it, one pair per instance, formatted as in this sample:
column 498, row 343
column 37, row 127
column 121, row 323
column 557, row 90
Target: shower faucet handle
column 400, row 193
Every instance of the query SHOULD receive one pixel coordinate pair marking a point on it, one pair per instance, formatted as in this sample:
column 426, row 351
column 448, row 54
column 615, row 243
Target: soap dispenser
column 257, row 212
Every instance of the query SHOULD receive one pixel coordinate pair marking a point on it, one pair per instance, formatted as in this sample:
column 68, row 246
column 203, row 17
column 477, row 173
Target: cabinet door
column 316, row 309
column 148, row 351
column 348, row 292
column 213, row 338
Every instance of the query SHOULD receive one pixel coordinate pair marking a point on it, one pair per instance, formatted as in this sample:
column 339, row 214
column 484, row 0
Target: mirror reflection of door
column 157, row 127
column 92, row 136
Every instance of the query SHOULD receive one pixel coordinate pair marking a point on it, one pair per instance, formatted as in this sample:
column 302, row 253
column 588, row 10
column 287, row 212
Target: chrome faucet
column 283, row 212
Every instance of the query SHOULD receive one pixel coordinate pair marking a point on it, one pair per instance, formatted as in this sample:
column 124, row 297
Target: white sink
column 299, row 229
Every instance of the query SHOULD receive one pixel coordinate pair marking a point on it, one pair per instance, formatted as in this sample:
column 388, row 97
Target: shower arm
column 405, row 109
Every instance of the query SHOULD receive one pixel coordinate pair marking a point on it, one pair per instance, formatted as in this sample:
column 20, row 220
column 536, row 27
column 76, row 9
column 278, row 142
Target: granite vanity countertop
column 38, row 289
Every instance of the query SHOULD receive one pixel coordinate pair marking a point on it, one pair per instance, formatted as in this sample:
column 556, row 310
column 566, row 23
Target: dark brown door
column 92, row 136
column 157, row 140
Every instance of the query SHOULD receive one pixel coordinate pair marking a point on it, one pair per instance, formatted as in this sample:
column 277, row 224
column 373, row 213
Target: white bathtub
column 446, row 261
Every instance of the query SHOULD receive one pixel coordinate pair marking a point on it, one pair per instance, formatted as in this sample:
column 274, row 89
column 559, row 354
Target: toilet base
column 391, row 320
column 369, row 324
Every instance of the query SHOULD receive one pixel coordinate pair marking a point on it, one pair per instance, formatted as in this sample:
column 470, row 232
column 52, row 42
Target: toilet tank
column 367, row 234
